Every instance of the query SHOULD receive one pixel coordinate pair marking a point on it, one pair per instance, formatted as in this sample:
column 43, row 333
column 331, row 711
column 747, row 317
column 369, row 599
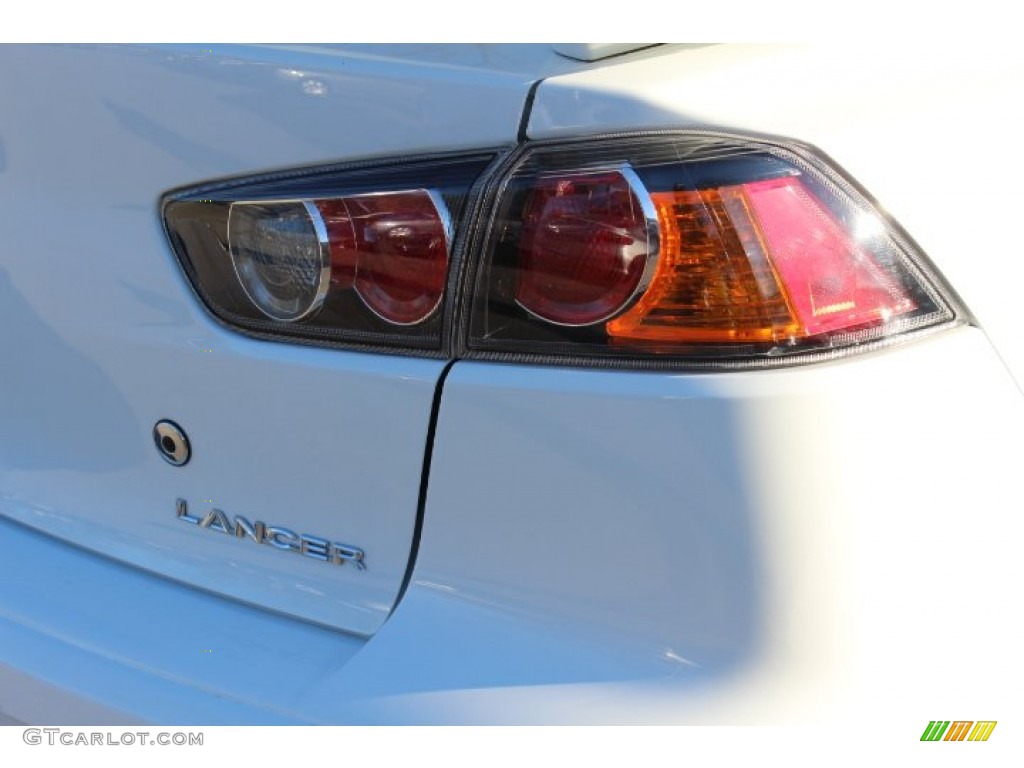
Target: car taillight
column 355, row 256
column 689, row 249
column 588, row 245
column 764, row 261
column 676, row 249
column 401, row 253
column 281, row 255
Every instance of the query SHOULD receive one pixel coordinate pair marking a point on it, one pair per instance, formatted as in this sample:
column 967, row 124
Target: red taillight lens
column 692, row 248
column 585, row 247
column 392, row 248
column 353, row 255
column 834, row 282
column 402, row 242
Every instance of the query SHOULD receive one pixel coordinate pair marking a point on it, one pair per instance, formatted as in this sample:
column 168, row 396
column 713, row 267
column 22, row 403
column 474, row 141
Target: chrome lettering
column 346, row 554
column 282, row 538
column 181, row 507
column 216, row 520
column 315, row 547
column 278, row 537
column 256, row 531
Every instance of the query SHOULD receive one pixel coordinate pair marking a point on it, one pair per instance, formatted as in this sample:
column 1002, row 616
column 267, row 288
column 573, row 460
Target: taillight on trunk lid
column 689, row 249
column 357, row 256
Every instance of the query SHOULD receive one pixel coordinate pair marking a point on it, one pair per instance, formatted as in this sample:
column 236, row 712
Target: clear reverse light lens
column 281, row 254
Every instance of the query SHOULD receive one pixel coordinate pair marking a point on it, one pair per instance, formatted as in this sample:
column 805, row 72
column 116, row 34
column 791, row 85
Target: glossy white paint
column 806, row 545
column 102, row 336
column 120, row 645
column 784, row 546
column 785, row 543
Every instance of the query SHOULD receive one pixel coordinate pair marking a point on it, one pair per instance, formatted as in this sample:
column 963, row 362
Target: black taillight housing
column 684, row 249
column 689, row 250
column 352, row 255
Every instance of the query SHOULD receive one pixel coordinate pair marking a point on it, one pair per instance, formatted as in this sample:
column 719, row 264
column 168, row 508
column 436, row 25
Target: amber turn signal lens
column 757, row 262
column 713, row 281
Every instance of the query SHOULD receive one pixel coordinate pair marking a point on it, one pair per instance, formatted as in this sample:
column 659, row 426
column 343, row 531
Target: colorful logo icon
column 958, row 730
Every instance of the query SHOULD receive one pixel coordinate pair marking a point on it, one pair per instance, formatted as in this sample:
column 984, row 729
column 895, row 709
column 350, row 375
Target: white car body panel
column 782, row 544
column 795, row 579
column 758, row 547
column 136, row 347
